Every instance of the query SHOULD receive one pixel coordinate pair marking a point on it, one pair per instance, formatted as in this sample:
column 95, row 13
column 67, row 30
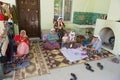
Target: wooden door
column 29, row 17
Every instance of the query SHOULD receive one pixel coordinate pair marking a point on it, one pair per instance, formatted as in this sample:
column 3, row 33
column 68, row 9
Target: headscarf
column 59, row 18
column 53, row 29
column 95, row 35
column 70, row 35
column 24, row 34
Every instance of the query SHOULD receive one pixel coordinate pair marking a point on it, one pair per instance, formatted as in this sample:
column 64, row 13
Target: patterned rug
column 42, row 59
column 55, row 58
column 37, row 65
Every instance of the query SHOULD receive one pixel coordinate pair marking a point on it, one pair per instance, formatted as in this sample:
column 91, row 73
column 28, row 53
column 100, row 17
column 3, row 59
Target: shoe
column 74, row 76
column 88, row 67
column 100, row 66
column 87, row 64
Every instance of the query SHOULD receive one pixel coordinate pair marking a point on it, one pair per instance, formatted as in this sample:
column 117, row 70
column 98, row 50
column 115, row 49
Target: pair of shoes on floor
column 74, row 77
column 88, row 67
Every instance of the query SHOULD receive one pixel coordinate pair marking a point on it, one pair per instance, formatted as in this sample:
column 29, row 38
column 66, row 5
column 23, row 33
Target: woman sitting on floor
column 52, row 40
column 22, row 44
column 94, row 48
column 72, row 41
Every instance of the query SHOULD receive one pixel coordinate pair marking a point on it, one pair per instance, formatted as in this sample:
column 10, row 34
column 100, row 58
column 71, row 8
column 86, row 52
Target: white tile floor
column 111, row 71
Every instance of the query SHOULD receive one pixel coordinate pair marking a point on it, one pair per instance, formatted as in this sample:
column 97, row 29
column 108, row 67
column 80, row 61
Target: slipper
column 74, row 76
column 100, row 66
column 88, row 67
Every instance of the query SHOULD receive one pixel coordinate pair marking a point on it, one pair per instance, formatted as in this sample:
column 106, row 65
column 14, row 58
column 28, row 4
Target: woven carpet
column 37, row 65
column 55, row 58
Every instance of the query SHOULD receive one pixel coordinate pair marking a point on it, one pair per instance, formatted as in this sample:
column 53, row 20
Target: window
column 63, row 8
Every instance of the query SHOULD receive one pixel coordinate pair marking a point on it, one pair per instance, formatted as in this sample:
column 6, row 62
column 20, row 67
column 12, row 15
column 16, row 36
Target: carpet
column 55, row 58
column 37, row 65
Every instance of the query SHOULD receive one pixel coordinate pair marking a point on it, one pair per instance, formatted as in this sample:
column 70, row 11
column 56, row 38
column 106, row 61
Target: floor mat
column 37, row 66
column 55, row 58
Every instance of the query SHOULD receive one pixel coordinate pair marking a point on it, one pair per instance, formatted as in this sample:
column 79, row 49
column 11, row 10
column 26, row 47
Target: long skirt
column 51, row 46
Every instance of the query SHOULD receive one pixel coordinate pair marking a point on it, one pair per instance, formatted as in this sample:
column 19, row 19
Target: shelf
column 83, row 26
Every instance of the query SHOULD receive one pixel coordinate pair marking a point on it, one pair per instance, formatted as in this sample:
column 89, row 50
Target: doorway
column 29, row 17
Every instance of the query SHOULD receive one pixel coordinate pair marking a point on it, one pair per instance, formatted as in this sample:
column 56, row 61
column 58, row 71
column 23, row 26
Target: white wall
column 114, row 10
column 97, row 6
column 47, row 13
column 115, row 28
column 100, row 6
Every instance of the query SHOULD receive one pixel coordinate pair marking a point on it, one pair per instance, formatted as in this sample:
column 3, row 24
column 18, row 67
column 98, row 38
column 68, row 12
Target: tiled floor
column 111, row 71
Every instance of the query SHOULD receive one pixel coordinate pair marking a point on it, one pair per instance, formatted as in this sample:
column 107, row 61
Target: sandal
column 88, row 67
column 74, row 76
column 100, row 66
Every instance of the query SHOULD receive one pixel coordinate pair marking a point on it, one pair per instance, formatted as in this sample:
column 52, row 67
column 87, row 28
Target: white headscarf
column 53, row 29
column 70, row 35
column 24, row 32
column 95, row 35
column 59, row 18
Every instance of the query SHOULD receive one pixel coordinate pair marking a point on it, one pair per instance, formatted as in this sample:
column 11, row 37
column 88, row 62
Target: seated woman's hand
column 88, row 48
column 56, row 38
column 93, row 49
column 18, row 55
column 52, row 39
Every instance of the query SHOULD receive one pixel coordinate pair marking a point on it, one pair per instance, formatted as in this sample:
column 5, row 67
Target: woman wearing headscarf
column 23, row 35
column 59, row 28
column 52, row 38
column 59, row 24
column 72, row 40
column 22, row 44
column 96, row 45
